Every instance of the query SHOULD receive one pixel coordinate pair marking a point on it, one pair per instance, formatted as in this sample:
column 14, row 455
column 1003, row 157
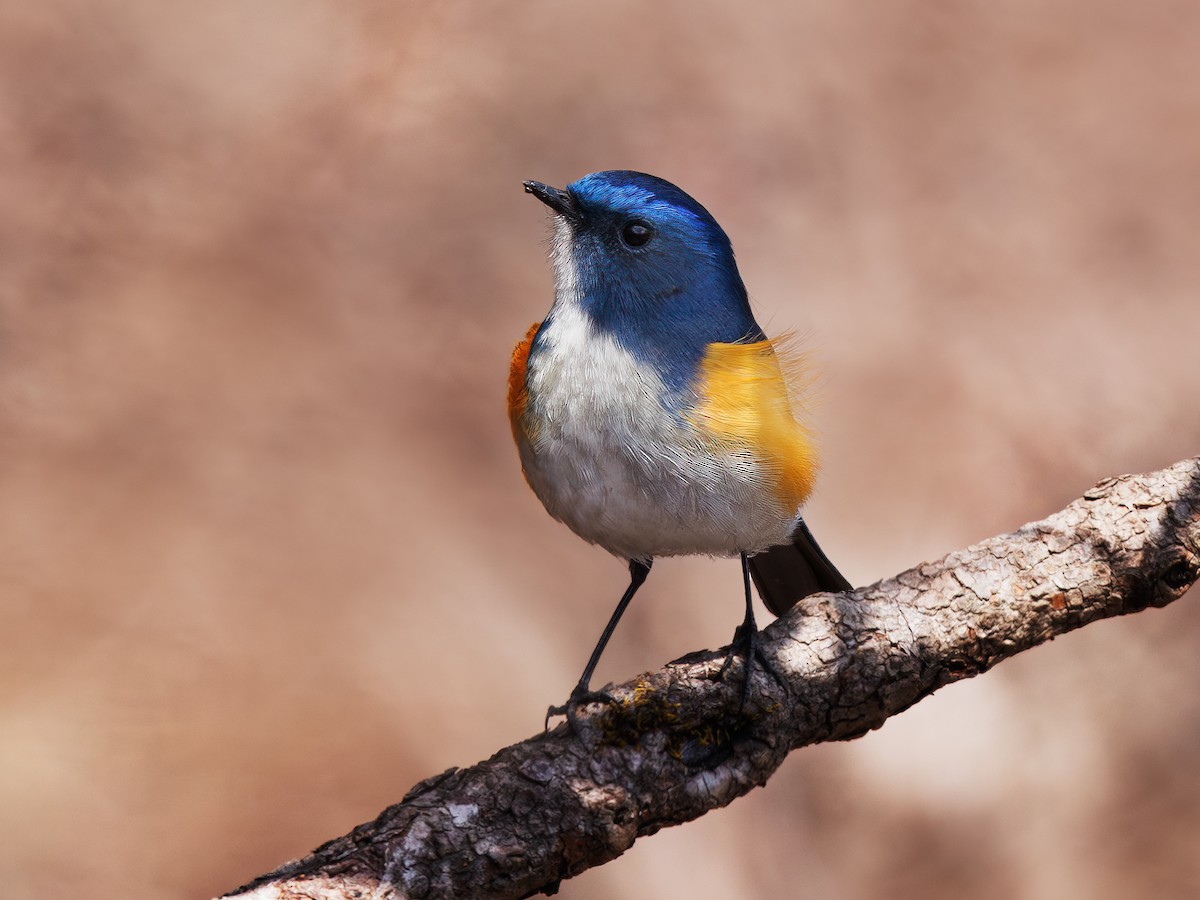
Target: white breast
column 610, row 460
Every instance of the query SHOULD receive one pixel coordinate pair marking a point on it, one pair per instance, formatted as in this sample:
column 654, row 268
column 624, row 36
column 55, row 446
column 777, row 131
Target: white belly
column 608, row 459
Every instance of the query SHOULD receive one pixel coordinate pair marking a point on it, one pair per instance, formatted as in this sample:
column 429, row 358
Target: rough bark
column 671, row 747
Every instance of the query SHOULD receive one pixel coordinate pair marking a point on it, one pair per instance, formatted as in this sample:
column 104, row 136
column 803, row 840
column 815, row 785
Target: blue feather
column 665, row 301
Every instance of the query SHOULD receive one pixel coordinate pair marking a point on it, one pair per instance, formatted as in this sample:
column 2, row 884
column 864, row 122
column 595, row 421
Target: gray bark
column 671, row 747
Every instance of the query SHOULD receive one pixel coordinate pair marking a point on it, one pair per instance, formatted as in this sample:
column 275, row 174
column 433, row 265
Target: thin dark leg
column 581, row 694
column 745, row 643
column 637, row 575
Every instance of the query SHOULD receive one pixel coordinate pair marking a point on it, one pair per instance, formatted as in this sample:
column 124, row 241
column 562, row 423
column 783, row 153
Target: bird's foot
column 580, row 697
column 747, row 644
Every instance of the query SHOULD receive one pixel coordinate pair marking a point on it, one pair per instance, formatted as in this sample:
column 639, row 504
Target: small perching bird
column 652, row 414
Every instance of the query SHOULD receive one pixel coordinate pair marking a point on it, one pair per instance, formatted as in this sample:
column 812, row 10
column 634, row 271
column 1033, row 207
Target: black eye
column 636, row 233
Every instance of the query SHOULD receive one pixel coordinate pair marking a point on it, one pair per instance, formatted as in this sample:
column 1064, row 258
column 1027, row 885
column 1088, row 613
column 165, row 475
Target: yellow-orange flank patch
column 744, row 404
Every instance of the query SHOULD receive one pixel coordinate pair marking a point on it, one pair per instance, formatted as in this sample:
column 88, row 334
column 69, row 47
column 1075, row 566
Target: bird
column 651, row 413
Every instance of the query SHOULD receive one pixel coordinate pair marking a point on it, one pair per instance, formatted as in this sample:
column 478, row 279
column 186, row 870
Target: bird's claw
column 579, row 698
column 746, row 644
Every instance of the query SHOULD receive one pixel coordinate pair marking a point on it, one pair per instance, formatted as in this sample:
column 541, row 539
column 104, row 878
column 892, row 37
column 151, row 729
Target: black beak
column 559, row 201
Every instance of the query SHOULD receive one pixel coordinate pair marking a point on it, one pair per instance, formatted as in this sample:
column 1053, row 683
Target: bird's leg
column 746, row 644
column 581, row 695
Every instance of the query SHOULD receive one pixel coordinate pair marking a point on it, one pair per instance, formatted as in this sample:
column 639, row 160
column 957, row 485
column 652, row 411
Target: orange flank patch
column 517, row 393
column 744, row 404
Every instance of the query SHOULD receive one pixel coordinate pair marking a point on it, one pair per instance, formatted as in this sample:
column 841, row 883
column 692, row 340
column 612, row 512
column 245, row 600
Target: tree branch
column 671, row 749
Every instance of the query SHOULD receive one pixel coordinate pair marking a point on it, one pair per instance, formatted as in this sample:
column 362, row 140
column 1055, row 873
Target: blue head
column 649, row 266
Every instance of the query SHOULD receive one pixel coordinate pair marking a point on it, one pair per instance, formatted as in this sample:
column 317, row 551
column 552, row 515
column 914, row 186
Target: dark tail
column 786, row 574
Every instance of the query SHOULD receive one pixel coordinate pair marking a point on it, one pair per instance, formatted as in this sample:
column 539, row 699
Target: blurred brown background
column 267, row 555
